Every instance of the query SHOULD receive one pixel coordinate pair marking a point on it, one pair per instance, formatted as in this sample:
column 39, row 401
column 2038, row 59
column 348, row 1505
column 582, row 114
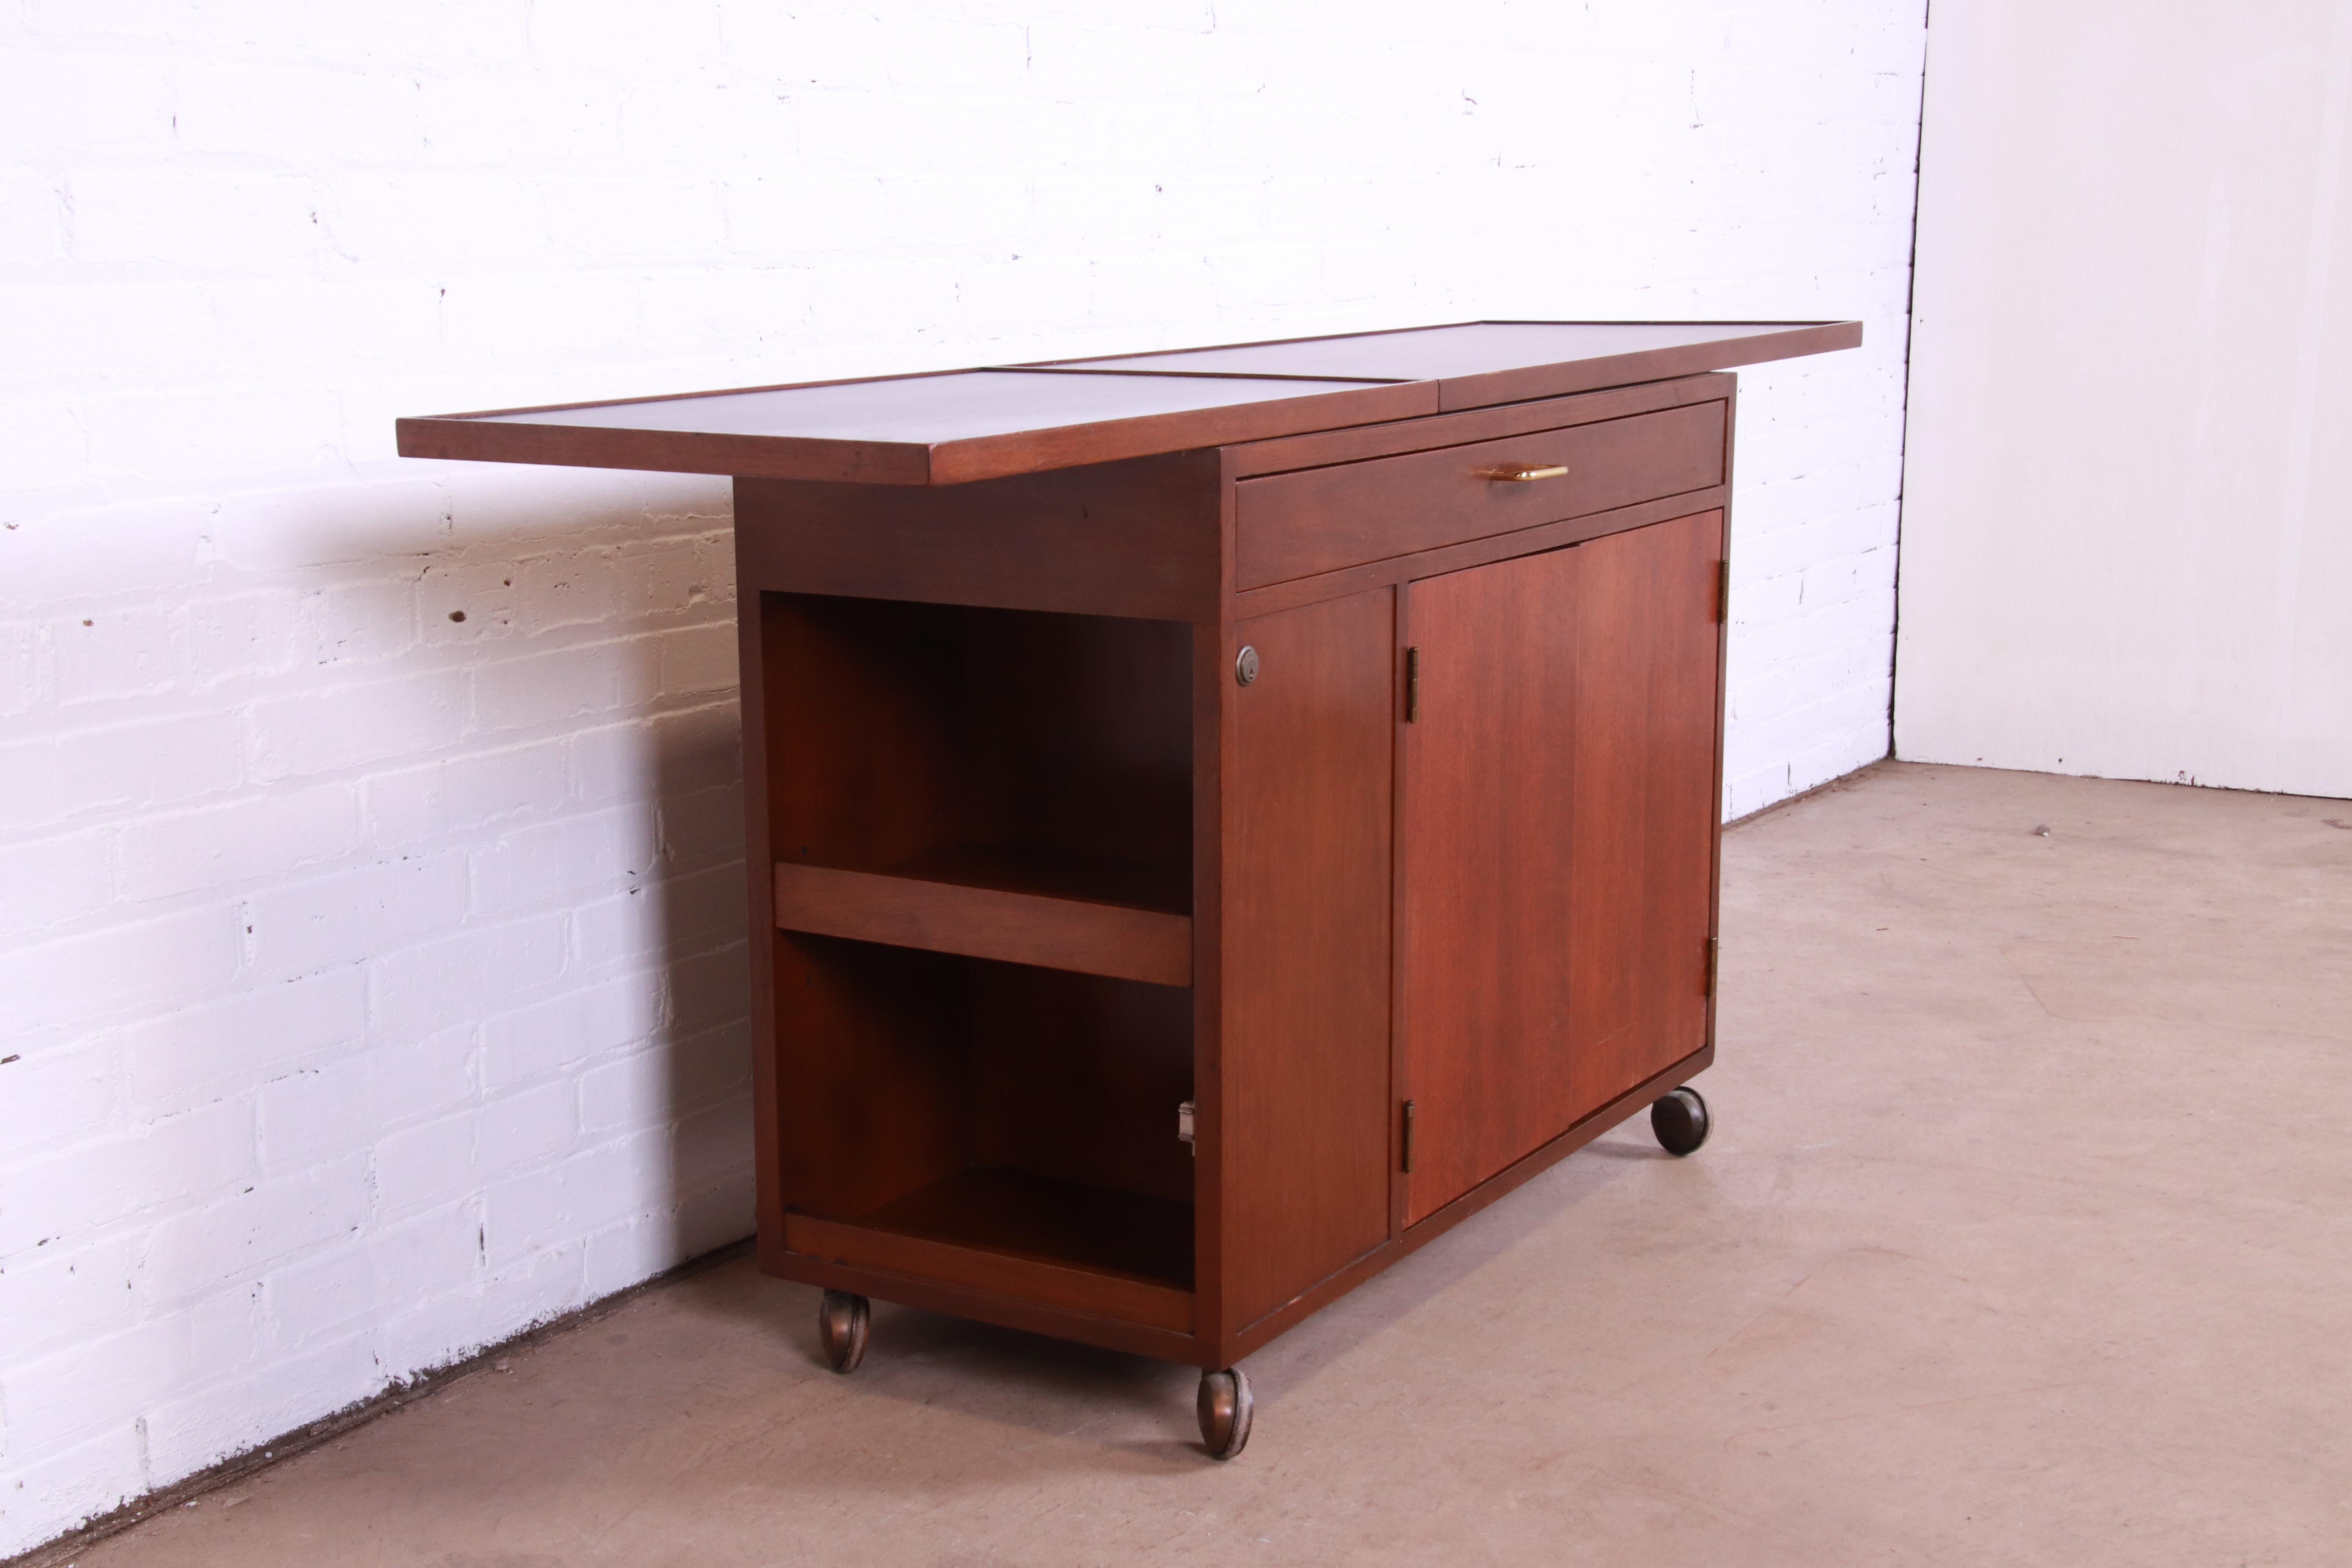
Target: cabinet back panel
column 1306, row 951
column 1078, row 1078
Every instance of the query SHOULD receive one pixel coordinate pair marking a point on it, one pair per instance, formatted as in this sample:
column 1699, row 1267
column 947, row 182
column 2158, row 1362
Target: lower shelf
column 1058, row 1244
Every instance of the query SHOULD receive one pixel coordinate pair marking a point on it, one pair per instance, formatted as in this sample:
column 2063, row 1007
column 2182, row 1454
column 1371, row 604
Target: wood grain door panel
column 1644, row 802
column 1557, row 843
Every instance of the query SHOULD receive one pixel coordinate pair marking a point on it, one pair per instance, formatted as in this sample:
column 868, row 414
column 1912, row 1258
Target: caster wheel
column 1225, row 1412
column 1680, row 1120
column 841, row 1321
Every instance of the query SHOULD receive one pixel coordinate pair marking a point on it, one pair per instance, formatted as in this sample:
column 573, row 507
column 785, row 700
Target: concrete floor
column 2022, row 1238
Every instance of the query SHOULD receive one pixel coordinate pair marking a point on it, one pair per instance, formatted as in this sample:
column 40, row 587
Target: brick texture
column 370, row 886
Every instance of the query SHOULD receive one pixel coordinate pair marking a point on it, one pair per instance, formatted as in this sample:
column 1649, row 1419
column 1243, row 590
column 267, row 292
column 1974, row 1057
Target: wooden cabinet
column 1216, row 818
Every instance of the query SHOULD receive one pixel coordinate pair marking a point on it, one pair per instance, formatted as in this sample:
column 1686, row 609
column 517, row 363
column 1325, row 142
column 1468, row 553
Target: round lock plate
column 1245, row 666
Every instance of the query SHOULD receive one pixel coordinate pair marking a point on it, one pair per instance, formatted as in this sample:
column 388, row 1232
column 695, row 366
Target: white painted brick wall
column 371, row 979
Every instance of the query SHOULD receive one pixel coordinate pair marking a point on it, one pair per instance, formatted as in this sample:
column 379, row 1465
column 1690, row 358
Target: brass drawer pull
column 1520, row 473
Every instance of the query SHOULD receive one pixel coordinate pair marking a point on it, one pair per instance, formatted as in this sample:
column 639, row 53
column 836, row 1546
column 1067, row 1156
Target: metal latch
column 1184, row 1124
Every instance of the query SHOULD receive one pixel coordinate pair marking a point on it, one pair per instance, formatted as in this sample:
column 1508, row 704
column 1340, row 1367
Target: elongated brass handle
column 1520, row 473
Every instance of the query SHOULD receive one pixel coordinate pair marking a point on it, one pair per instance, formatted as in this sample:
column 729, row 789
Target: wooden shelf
column 1093, row 916
column 1086, row 1249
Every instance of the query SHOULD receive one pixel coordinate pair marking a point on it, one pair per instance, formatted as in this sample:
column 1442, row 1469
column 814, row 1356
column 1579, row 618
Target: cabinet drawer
column 1320, row 520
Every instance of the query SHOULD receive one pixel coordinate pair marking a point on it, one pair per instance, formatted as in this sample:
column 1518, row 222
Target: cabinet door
column 1306, row 951
column 1559, row 840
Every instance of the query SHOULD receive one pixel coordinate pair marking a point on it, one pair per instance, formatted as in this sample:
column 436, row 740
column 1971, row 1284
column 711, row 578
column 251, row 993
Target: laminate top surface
column 1438, row 353
column 995, row 421
column 930, row 410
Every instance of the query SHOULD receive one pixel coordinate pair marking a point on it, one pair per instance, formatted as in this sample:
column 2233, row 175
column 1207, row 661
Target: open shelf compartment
column 999, row 784
column 1003, row 1127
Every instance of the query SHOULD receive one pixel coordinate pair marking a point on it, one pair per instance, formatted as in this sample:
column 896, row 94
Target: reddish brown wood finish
column 1115, row 539
column 1011, row 799
column 1306, row 947
column 1333, row 1286
column 1490, row 890
column 940, row 430
column 1061, row 932
column 1461, row 557
column 955, row 428
column 1320, row 520
column 1643, row 801
column 1328, row 446
column 1559, row 840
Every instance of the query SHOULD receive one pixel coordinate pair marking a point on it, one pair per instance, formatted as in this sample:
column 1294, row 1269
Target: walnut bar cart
column 1219, row 816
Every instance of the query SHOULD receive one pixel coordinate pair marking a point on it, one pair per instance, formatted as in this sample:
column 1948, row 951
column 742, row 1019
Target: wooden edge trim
column 1645, row 364
column 1263, row 1331
column 1250, row 602
column 1114, row 1297
column 665, row 451
column 1196, row 374
column 986, row 922
column 1356, row 444
column 1151, row 435
column 983, row 1307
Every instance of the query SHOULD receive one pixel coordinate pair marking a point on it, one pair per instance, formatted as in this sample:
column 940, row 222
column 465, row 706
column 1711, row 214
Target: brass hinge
column 1723, row 592
column 1412, row 685
column 1713, row 952
column 1406, row 1143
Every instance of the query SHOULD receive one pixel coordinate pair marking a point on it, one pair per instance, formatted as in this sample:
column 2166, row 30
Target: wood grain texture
column 899, row 730
column 1558, row 839
column 1358, row 443
column 940, row 429
column 1402, row 569
column 1118, row 538
column 1311, row 521
column 985, row 1306
column 1488, row 881
column 1060, row 933
column 1046, row 1281
column 1305, row 1092
column 1502, row 1182
column 957, row 428
column 1643, row 801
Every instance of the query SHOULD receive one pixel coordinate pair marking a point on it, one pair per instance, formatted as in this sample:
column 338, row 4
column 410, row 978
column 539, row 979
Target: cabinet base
column 1256, row 1335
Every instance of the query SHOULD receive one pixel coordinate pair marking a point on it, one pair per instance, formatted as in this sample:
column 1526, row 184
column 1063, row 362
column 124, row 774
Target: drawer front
column 1320, row 519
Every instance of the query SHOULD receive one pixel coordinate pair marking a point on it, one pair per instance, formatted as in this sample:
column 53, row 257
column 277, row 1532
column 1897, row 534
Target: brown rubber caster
column 841, row 1321
column 1225, row 1412
column 1680, row 1120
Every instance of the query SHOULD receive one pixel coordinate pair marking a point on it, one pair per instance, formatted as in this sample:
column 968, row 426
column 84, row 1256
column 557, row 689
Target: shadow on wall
column 373, row 944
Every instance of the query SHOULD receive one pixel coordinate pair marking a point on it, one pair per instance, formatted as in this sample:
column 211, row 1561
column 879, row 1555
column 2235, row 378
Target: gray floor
column 2021, row 1239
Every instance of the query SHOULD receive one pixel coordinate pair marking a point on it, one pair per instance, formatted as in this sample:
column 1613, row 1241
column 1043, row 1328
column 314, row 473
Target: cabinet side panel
column 1306, row 951
column 1644, row 801
column 1489, row 762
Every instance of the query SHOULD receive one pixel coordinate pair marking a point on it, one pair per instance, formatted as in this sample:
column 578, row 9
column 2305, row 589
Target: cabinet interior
column 1034, row 751
column 1013, row 1108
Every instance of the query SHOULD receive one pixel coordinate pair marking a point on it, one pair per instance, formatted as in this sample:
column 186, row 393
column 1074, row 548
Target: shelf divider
column 1077, row 916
